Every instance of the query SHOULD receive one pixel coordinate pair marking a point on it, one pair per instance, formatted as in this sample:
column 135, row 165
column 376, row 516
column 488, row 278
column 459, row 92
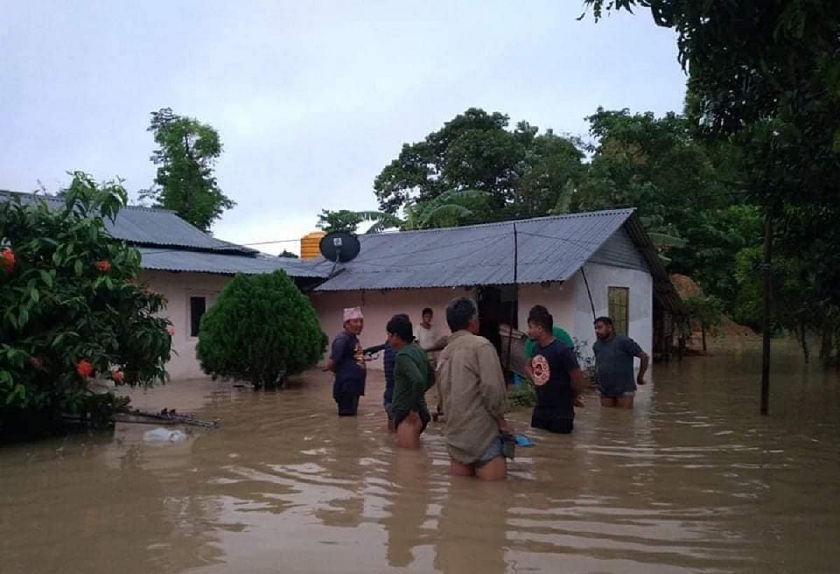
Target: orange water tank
column 309, row 245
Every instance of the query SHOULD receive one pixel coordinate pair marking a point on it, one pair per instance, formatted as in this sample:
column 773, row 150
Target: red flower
column 117, row 376
column 35, row 362
column 7, row 259
column 84, row 368
column 104, row 266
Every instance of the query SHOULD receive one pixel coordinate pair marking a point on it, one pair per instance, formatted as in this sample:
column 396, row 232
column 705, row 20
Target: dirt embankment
column 686, row 287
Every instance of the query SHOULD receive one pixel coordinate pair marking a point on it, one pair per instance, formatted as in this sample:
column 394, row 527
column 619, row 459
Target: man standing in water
column 557, row 377
column 412, row 378
column 614, row 365
column 347, row 361
column 474, row 397
column 429, row 340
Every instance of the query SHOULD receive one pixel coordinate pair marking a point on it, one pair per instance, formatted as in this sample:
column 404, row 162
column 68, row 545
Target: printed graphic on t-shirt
column 542, row 372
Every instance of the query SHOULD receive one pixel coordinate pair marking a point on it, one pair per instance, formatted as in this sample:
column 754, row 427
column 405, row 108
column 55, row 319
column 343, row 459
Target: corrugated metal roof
column 549, row 249
column 226, row 264
column 150, row 226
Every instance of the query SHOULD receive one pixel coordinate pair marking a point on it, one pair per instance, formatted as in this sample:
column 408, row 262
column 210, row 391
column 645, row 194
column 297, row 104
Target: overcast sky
column 311, row 99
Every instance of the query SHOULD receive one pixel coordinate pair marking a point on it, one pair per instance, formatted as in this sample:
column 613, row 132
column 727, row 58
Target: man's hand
column 640, row 380
column 579, row 402
column 505, row 427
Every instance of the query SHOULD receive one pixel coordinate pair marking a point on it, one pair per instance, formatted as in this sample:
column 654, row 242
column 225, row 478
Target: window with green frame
column 619, row 308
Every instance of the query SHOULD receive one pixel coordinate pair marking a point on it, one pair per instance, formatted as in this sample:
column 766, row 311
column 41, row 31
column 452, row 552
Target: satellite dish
column 339, row 246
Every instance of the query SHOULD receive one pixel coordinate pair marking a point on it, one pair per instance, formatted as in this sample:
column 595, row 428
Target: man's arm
column 645, row 361
column 336, row 352
column 634, row 349
column 491, row 380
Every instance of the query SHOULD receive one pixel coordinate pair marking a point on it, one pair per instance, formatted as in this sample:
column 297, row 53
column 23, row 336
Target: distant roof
column 548, row 249
column 151, row 226
column 168, row 243
column 226, row 264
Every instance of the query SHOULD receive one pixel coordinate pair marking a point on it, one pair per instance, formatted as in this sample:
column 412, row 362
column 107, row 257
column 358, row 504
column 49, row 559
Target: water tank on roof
column 309, row 245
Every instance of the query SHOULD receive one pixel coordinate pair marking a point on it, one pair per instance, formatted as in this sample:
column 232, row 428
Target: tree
column 349, row 221
column 706, row 311
column 520, row 171
column 72, row 309
column 261, row 330
column 186, row 156
column 767, row 76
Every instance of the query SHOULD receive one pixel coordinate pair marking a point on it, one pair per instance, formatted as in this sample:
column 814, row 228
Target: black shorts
column 399, row 415
column 552, row 421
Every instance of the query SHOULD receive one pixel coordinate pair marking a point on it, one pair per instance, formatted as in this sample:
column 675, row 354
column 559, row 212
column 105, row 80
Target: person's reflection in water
column 410, row 477
column 344, row 472
column 472, row 530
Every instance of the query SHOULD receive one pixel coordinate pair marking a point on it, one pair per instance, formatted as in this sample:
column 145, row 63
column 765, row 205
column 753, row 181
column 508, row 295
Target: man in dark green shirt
column 413, row 376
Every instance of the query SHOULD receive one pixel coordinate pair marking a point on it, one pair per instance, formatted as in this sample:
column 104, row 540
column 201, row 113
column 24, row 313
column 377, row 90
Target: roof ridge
column 509, row 222
column 53, row 197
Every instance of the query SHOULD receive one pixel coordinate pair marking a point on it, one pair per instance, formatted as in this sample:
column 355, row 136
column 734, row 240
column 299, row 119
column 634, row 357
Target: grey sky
column 311, row 99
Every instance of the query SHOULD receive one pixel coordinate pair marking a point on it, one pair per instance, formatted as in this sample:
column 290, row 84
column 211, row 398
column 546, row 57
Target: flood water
column 692, row 480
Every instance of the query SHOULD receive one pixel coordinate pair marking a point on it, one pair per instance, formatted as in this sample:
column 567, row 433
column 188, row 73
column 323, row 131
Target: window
column 619, row 310
column 198, row 305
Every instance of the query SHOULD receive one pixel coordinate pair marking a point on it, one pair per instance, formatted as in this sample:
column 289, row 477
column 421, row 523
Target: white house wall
column 178, row 288
column 558, row 298
column 640, row 304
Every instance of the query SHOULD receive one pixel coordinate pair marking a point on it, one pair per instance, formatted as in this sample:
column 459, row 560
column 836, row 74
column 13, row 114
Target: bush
column 261, row 329
column 71, row 308
column 522, row 395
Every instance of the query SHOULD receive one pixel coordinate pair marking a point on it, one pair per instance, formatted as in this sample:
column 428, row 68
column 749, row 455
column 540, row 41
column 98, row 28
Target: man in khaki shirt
column 474, row 396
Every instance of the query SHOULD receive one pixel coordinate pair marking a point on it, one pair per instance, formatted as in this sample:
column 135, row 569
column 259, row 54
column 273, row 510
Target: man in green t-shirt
column 413, row 376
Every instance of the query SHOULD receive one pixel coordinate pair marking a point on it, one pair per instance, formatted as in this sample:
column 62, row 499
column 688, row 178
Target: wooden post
column 766, row 323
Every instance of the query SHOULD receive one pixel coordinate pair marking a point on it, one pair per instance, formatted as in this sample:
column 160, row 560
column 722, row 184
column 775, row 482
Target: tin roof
column 225, row 263
column 547, row 249
column 149, row 226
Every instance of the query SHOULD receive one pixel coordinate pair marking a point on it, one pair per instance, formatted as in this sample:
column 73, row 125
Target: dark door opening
column 497, row 305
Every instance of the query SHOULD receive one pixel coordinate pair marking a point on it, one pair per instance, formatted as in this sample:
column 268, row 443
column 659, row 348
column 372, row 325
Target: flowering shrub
column 261, row 329
column 70, row 305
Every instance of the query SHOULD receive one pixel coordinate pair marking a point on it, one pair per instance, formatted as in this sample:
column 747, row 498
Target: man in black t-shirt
column 556, row 374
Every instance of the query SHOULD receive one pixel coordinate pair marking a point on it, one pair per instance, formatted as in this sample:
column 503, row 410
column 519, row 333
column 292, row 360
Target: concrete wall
column 640, row 311
column 558, row 298
column 378, row 308
column 178, row 288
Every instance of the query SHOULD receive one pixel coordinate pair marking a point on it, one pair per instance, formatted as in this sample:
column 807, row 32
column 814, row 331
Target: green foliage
column 349, row 221
column 450, row 209
column 521, row 172
column 705, row 310
column 261, row 329
column 70, row 303
column 186, row 155
column 522, row 395
column 766, row 75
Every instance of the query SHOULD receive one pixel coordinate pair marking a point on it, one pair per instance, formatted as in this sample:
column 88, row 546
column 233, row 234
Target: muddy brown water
column 692, row 480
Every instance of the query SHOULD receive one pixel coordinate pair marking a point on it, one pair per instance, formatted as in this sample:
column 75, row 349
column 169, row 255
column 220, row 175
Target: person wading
column 412, row 378
column 429, row 341
column 557, row 377
column 347, row 361
column 474, row 397
column 614, row 356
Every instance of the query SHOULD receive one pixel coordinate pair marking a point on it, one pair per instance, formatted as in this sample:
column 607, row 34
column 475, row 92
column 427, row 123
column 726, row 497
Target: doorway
column 497, row 305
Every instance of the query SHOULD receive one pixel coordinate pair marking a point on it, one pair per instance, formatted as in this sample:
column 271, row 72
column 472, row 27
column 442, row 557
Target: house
column 579, row 266
column 190, row 268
